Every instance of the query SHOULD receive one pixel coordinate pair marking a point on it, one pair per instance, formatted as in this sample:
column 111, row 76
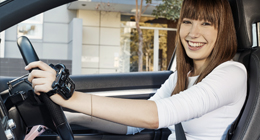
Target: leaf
column 169, row 9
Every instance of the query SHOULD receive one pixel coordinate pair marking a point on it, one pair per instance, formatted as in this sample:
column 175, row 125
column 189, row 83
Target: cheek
column 182, row 35
column 212, row 36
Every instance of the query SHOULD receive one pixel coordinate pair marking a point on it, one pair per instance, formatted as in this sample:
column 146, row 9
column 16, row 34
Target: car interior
column 26, row 110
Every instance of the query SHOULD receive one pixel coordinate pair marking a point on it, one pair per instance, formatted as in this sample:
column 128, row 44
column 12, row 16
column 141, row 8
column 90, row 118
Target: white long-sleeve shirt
column 206, row 109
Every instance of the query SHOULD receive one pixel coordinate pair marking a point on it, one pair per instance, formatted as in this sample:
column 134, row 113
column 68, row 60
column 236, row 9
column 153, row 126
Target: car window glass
column 89, row 42
column 32, row 27
column 155, row 50
column 258, row 31
column 254, row 31
column 256, row 34
column 2, row 44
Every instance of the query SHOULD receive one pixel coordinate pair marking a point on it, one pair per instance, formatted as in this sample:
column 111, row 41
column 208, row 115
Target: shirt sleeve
column 164, row 91
column 224, row 85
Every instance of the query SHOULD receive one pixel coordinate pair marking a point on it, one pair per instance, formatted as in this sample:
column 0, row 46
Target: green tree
column 169, row 9
column 147, row 56
column 138, row 13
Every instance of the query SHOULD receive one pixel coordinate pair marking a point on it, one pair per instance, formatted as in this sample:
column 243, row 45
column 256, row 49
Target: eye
column 186, row 22
column 206, row 23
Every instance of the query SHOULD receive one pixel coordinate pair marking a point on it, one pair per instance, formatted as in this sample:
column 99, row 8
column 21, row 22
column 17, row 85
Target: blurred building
column 90, row 37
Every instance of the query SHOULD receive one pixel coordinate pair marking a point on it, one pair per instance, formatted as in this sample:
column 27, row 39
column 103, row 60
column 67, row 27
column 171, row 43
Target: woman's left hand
column 41, row 78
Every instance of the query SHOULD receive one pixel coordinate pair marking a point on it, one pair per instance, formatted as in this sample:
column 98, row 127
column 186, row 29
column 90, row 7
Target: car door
column 135, row 85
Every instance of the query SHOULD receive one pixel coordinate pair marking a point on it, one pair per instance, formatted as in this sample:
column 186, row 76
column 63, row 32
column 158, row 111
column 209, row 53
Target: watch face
column 68, row 85
column 63, row 82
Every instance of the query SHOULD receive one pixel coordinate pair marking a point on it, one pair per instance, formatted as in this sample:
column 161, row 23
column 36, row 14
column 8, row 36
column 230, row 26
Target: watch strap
column 54, row 89
column 51, row 92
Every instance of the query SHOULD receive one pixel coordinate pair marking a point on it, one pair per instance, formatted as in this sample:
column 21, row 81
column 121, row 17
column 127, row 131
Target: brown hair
column 219, row 13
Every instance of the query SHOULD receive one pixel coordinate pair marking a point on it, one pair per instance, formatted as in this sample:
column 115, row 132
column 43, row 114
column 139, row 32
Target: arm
column 95, row 123
column 100, row 124
column 138, row 113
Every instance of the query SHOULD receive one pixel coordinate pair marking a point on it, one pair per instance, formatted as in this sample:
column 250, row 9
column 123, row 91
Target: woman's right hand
column 42, row 79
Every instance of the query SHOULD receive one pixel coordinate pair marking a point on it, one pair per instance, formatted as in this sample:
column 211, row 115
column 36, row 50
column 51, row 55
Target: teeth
column 195, row 44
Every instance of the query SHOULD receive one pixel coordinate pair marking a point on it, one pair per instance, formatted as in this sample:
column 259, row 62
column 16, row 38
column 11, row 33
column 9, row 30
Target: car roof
column 15, row 11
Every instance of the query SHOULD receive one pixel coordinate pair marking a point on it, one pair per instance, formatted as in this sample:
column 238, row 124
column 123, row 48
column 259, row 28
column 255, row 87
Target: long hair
column 219, row 13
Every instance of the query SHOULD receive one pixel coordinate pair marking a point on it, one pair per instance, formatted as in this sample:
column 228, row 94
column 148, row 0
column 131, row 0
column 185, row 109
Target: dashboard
column 7, row 125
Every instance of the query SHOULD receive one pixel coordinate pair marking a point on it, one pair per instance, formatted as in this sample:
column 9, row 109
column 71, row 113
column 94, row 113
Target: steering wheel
column 55, row 111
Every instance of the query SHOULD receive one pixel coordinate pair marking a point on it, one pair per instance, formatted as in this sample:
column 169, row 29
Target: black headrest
column 245, row 12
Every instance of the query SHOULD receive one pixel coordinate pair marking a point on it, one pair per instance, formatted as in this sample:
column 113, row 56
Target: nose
column 194, row 31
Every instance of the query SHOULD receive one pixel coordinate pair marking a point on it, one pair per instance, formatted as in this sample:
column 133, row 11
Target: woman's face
column 198, row 38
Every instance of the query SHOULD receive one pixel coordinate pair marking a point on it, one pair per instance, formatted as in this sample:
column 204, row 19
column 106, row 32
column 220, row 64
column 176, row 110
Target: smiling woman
column 206, row 108
column 198, row 39
column 217, row 17
column 204, row 90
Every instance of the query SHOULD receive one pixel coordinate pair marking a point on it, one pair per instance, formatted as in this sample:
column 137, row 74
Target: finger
column 39, row 64
column 41, row 74
column 39, row 81
column 37, row 93
column 38, row 89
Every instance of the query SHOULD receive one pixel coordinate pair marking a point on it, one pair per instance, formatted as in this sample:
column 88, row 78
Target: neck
column 198, row 66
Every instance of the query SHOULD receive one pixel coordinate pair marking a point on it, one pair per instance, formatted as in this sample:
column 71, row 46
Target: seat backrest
column 247, row 12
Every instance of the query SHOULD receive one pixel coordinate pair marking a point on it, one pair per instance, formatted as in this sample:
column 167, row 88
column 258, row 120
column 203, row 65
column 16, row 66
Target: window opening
column 258, row 33
column 155, row 37
column 2, row 44
column 32, row 27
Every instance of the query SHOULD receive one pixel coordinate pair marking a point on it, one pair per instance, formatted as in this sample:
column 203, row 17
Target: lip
column 194, row 48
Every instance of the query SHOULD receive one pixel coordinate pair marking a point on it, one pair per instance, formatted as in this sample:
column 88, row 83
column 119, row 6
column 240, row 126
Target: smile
column 195, row 45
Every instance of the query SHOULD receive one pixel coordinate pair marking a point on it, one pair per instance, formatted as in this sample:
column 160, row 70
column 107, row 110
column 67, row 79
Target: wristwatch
column 63, row 84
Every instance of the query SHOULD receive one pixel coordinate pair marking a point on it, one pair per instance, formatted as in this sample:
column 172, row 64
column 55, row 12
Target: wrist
column 62, row 85
column 58, row 100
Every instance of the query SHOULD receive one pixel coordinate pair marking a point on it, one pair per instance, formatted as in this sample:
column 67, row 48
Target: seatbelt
column 180, row 135
column 179, row 132
column 232, row 129
column 233, row 126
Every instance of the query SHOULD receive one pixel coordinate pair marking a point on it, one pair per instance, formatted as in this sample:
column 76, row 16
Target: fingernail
column 25, row 67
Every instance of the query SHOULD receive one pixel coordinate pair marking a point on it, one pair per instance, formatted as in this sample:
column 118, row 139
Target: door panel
column 135, row 85
column 161, row 134
column 139, row 85
column 125, row 81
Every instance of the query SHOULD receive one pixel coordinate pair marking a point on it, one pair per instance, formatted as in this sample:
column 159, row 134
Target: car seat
column 245, row 13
